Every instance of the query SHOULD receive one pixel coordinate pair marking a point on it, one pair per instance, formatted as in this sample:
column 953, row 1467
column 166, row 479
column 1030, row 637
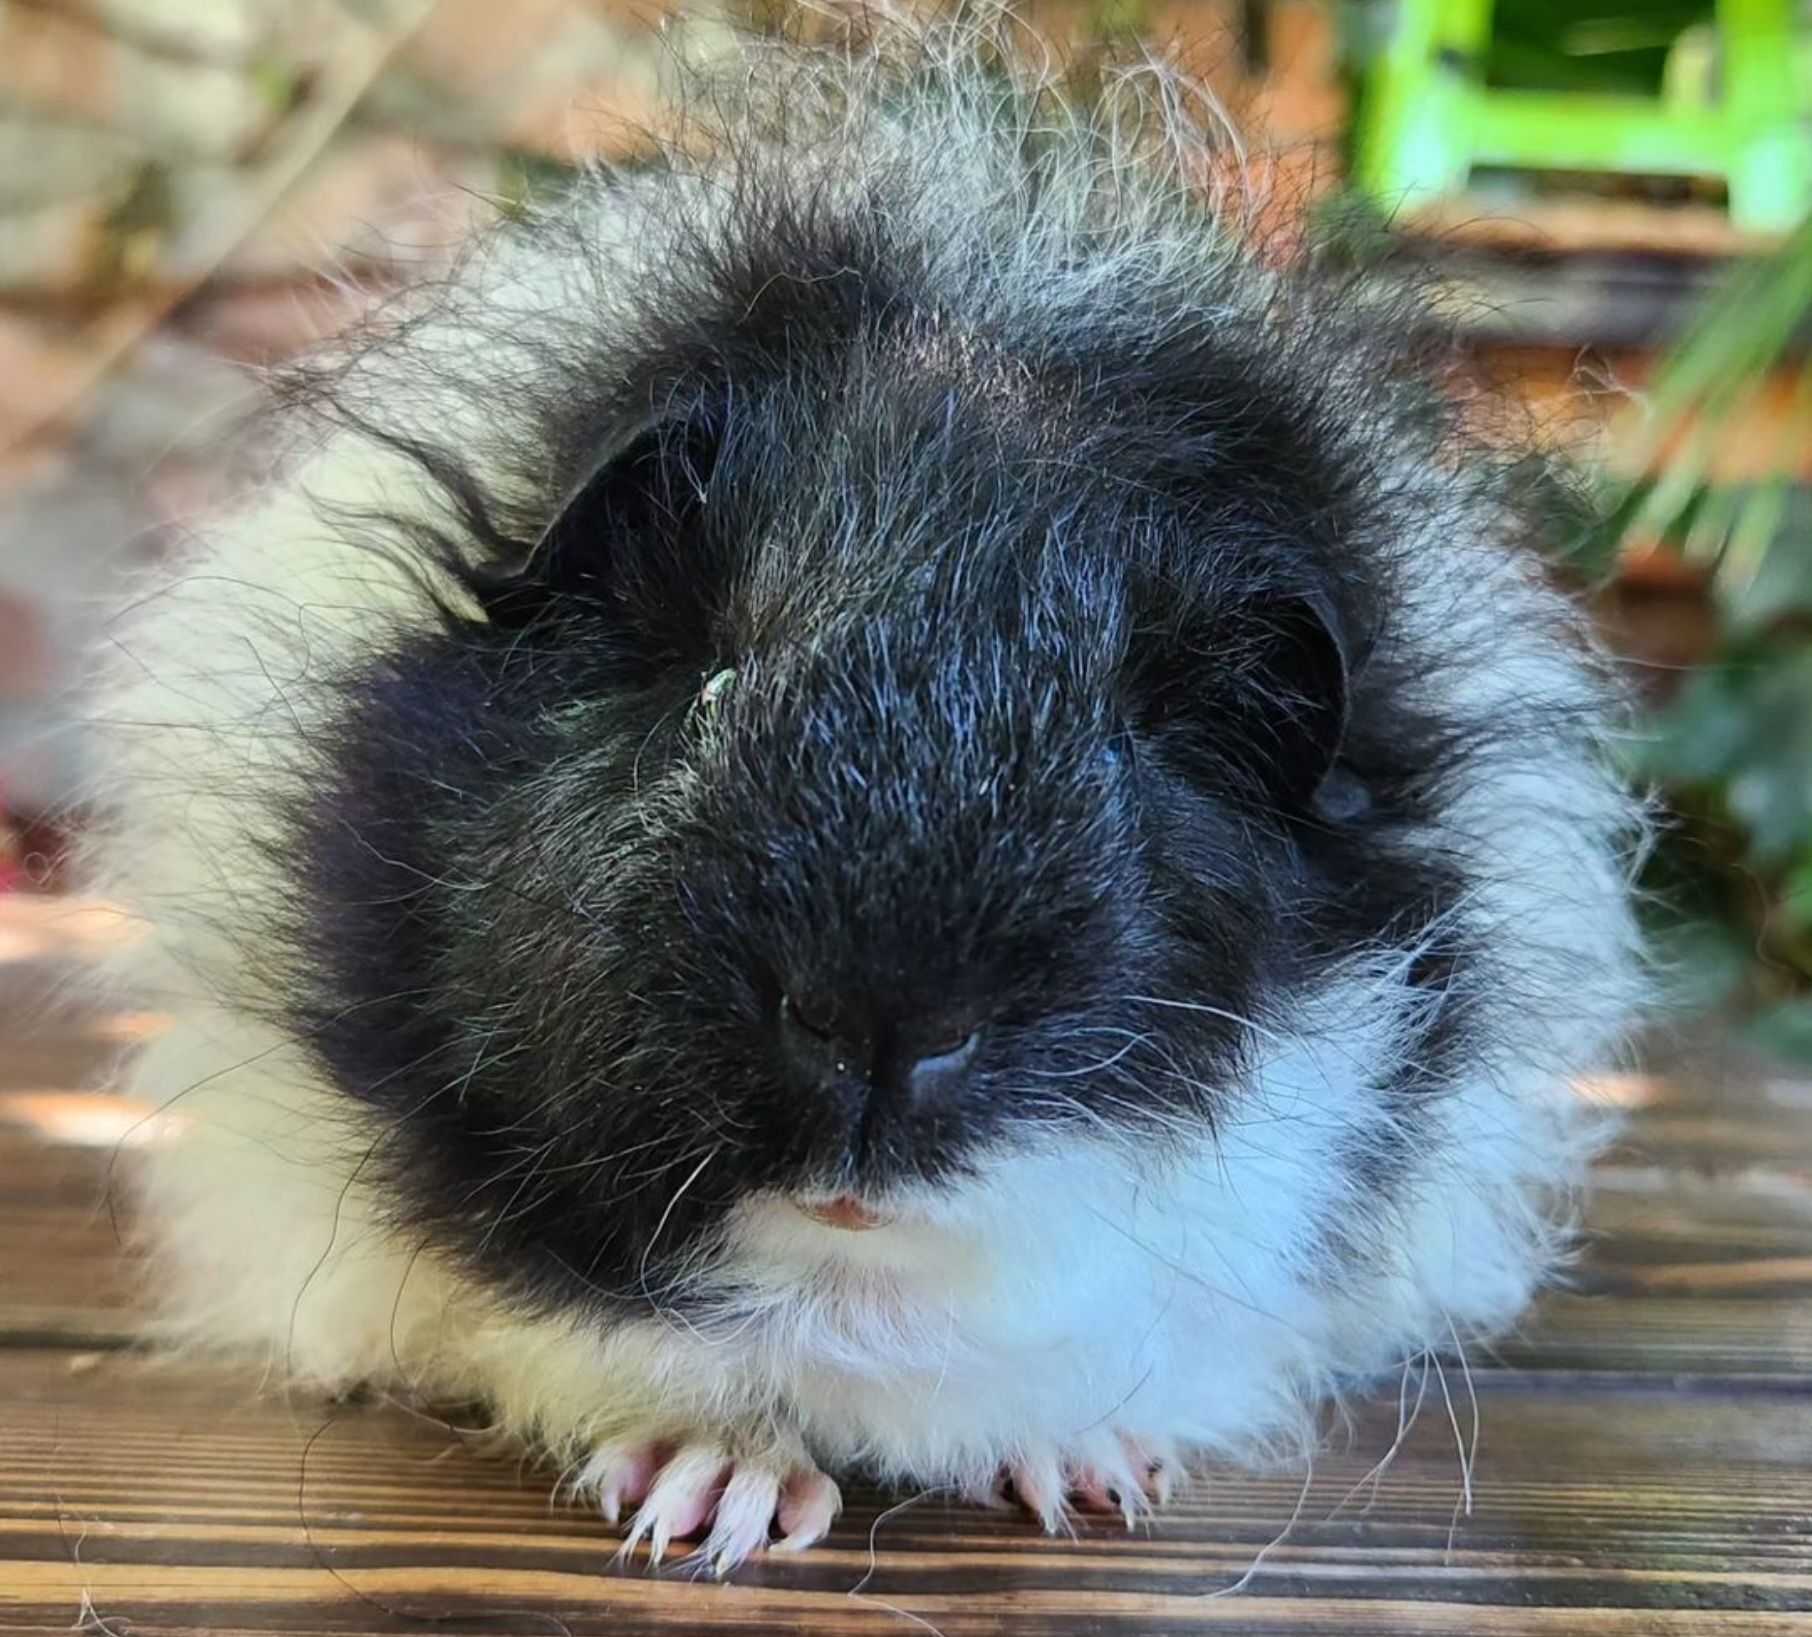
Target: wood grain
column 176, row 1500
column 63, row 1275
column 1641, row 1451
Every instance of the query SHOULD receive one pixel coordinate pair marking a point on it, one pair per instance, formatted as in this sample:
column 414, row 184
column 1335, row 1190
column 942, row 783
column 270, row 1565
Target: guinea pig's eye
column 633, row 550
column 1342, row 796
column 1265, row 695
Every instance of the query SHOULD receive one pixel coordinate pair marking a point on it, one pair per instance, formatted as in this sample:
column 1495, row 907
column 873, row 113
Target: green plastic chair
column 1430, row 118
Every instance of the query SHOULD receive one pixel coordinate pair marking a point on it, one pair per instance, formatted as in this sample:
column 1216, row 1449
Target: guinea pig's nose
column 937, row 1074
column 906, row 1063
column 815, row 1048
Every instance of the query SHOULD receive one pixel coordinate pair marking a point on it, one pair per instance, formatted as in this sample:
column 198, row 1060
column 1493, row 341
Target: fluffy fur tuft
column 903, row 561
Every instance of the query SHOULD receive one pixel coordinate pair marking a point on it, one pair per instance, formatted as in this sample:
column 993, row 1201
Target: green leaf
column 1767, row 573
column 1785, row 1030
column 1796, row 891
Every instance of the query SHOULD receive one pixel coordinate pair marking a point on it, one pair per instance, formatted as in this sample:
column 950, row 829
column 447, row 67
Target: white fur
column 1067, row 1298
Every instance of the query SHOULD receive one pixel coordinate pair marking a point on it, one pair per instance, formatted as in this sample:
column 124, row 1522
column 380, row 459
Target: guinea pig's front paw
column 744, row 1495
column 1127, row 1475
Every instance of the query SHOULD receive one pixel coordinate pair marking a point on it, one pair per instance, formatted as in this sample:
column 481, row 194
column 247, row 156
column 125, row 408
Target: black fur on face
column 938, row 681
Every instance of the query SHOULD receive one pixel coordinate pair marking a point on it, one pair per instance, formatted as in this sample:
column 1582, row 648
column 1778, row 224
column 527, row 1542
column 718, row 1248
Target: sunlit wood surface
column 1642, row 1449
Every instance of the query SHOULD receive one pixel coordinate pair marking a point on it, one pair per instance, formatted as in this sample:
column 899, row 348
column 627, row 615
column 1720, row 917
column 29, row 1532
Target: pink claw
column 626, row 1481
column 1124, row 1477
column 683, row 1489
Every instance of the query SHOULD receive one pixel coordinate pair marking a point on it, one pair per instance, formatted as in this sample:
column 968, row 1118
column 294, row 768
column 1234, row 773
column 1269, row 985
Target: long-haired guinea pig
column 867, row 804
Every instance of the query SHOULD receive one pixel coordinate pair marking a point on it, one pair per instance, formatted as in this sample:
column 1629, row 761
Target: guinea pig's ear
column 1301, row 692
column 624, row 526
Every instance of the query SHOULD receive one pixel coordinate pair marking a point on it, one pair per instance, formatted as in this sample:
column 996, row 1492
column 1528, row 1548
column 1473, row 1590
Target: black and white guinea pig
column 867, row 805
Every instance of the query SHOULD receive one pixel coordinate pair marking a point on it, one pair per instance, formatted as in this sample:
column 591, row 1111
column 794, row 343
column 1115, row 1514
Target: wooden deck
column 1641, row 1455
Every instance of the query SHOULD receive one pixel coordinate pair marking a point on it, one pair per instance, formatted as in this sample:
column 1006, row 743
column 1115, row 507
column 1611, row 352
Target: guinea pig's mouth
column 844, row 1211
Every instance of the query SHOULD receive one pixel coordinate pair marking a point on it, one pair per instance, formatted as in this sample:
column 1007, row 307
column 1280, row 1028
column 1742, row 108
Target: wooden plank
column 64, row 1274
column 1698, row 1256
column 174, row 1500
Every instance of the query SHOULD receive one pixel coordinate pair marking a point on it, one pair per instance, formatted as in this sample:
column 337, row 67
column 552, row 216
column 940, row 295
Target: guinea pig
column 869, row 803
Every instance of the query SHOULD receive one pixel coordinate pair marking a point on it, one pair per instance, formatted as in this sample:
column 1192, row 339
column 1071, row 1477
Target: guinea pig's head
column 906, row 743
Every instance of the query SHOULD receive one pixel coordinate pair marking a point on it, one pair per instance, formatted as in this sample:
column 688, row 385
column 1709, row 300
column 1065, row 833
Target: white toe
column 681, row 1499
column 809, row 1505
column 1038, row 1479
column 744, row 1513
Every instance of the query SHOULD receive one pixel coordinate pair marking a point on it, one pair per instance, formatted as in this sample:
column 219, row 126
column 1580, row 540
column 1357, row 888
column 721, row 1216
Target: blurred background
column 1615, row 197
